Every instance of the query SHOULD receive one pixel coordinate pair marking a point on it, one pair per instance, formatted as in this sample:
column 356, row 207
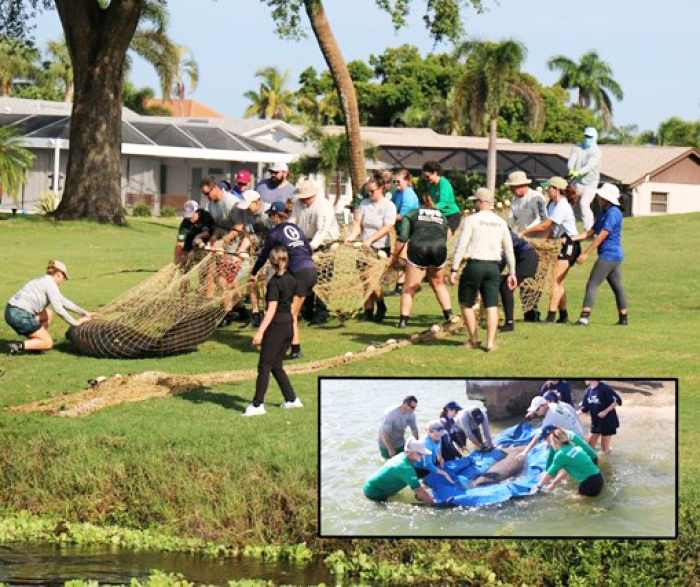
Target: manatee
column 508, row 466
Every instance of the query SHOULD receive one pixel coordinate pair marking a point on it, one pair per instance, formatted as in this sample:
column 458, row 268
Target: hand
column 582, row 258
column 198, row 242
column 90, row 315
column 574, row 173
column 535, row 489
column 257, row 339
column 453, row 277
column 512, row 282
column 219, row 244
column 367, row 244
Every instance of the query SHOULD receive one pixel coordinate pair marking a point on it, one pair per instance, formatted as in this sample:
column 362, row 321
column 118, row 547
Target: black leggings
column 276, row 340
column 527, row 267
column 612, row 271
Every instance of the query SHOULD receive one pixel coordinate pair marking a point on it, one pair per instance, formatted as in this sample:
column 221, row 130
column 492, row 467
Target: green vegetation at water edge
column 190, row 466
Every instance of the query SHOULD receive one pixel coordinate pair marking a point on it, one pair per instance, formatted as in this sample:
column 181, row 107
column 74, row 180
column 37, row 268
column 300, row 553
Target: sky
column 651, row 46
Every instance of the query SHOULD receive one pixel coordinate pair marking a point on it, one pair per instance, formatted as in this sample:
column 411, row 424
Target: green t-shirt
column 575, row 461
column 424, row 227
column 578, row 441
column 392, row 477
column 444, row 196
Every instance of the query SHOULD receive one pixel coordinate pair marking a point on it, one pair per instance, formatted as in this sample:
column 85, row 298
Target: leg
column 615, row 281
column 607, row 443
column 593, row 439
column 491, row 327
column 437, row 282
column 587, row 195
column 508, row 300
column 470, row 321
column 561, row 269
column 39, row 341
column 414, row 277
column 297, row 303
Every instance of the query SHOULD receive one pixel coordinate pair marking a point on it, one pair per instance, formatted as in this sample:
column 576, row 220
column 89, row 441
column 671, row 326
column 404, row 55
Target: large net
column 171, row 312
column 532, row 288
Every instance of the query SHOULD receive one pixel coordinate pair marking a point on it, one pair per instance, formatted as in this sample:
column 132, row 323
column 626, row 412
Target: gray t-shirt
column 394, row 423
column 37, row 294
column 271, row 194
column 466, row 422
column 221, row 210
column 374, row 215
column 527, row 211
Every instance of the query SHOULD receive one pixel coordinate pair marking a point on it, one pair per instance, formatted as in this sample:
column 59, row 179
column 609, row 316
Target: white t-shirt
column 562, row 216
column 564, row 416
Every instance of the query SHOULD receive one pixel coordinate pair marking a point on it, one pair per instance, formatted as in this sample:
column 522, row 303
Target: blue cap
column 547, row 430
column 225, row 184
column 276, row 207
column 478, row 415
column 452, row 406
column 550, row 396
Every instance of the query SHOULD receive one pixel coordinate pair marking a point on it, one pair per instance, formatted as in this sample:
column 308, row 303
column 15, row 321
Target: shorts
column 22, row 322
column 385, row 453
column 453, row 221
column 427, row 256
column 479, row 276
column 604, row 426
column 306, row 279
column 570, row 250
column 591, row 486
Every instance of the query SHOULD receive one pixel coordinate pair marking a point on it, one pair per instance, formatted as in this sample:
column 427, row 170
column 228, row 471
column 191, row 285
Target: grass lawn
column 192, row 466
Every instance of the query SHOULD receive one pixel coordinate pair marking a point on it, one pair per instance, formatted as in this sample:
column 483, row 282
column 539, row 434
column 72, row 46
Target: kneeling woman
column 28, row 311
column 574, row 459
column 425, row 231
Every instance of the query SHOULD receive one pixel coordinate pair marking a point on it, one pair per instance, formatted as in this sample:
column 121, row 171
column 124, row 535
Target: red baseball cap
column 243, row 176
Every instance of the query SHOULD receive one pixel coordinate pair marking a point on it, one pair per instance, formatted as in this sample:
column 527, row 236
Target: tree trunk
column 97, row 40
column 345, row 88
column 491, row 158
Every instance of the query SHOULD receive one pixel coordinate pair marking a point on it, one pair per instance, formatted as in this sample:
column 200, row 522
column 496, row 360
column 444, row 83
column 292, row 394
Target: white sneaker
column 295, row 404
column 251, row 410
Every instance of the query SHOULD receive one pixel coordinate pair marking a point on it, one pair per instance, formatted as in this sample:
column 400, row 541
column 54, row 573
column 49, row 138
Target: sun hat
column 60, row 265
column 249, row 196
column 556, row 182
column 452, row 406
column 590, row 132
column 536, row 403
column 518, row 178
column 278, row 166
column 243, row 176
column 610, row 193
column 437, row 426
column 482, row 194
column 189, row 208
column 305, row 189
column 277, row 207
column 413, row 445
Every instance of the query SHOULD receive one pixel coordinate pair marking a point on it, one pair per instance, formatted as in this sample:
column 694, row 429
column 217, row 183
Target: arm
column 507, row 245
column 592, row 163
column 381, row 233
column 384, row 437
column 599, row 238
column 60, row 304
column 324, row 228
column 266, row 321
column 541, row 227
column 263, row 255
column 526, row 451
column 487, row 432
column 356, row 228
column 461, row 249
column 423, row 495
column 583, row 236
column 560, row 475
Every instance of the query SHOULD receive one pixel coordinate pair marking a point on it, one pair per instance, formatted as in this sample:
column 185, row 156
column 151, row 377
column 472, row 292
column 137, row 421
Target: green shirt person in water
column 397, row 473
column 572, row 458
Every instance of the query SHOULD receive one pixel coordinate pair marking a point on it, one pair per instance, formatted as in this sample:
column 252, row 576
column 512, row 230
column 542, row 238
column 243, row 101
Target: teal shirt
column 392, row 477
column 576, row 440
column 444, row 197
column 575, row 461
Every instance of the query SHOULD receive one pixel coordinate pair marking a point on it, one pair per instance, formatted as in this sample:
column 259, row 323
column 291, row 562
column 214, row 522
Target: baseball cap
column 590, row 132
column 225, row 185
column 550, row 396
column 557, row 182
column 452, row 406
column 547, row 430
column 536, row 403
column 60, row 265
column 249, row 196
column 483, row 194
column 275, row 207
column 478, row 415
column 437, row 426
column 243, row 176
column 278, row 166
column 413, row 445
column 189, row 208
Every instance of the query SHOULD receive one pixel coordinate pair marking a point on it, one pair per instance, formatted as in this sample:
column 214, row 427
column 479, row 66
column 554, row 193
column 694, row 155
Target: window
column 659, row 202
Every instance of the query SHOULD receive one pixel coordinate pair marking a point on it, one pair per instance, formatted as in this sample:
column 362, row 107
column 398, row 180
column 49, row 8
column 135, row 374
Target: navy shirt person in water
column 301, row 266
column 601, row 402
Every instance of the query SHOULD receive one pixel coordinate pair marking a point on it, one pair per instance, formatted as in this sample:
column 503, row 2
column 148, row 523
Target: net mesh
column 532, row 288
column 171, row 312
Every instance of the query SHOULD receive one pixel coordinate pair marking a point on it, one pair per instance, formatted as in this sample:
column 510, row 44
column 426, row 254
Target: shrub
column 47, row 203
column 167, row 212
column 141, row 209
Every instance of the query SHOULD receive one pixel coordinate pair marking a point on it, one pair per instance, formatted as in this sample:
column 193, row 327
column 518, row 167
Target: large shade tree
column 491, row 79
column 592, row 78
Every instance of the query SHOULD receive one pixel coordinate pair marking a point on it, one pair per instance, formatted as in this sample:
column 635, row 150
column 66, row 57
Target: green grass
column 193, row 467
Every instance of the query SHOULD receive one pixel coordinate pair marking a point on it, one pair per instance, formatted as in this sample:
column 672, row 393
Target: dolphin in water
column 506, row 467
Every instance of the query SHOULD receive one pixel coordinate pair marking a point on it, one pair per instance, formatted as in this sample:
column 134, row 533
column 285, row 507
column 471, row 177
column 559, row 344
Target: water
column 639, row 498
column 47, row 564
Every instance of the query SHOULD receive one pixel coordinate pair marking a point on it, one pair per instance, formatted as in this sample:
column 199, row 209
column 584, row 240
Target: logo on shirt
column 291, row 233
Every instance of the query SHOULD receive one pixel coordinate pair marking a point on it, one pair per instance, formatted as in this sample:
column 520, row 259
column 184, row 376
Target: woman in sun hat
column 560, row 224
column 28, row 311
column 607, row 238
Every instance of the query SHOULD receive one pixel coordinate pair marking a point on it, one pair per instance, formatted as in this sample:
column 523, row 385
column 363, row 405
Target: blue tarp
column 464, row 470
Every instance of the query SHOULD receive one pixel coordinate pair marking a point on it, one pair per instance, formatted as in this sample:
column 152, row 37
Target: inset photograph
column 475, row 457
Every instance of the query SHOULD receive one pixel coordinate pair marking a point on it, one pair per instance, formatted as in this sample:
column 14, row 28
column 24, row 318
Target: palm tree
column 272, row 100
column 16, row 61
column 491, row 79
column 592, row 77
column 60, row 66
column 15, row 161
column 186, row 67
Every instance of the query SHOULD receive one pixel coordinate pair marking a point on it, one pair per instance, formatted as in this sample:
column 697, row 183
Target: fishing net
column 347, row 275
column 171, row 312
column 532, row 288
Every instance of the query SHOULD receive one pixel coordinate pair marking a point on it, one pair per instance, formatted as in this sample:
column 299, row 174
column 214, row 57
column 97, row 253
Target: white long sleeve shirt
column 37, row 294
column 317, row 221
column 485, row 237
column 587, row 161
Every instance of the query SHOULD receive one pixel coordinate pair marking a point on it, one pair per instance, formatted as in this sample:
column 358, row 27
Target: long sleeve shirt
column 37, row 294
column 485, row 237
column 587, row 162
column 317, row 221
column 291, row 238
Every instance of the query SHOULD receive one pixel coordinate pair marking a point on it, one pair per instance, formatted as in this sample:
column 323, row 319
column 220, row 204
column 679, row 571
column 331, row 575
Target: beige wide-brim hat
column 60, row 265
column 518, row 178
column 305, row 189
column 610, row 193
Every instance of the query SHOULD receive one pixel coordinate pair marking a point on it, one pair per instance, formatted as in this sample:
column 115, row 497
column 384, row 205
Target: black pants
column 276, row 340
column 591, row 486
column 527, row 267
column 612, row 271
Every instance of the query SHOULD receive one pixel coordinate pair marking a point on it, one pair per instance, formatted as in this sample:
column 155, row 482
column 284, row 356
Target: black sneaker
column 531, row 316
column 255, row 320
column 551, row 320
column 14, row 348
column 563, row 320
column 507, row 327
column 294, row 355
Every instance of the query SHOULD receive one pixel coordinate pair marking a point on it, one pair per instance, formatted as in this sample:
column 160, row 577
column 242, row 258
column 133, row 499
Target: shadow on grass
column 202, row 395
column 236, row 338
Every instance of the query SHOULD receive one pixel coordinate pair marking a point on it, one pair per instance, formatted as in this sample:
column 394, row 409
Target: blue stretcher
column 464, row 470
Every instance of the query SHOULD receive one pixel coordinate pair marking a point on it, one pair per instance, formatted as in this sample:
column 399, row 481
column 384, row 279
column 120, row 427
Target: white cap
column 190, row 208
column 536, row 403
column 278, row 166
column 413, row 445
column 249, row 196
column 60, row 265
column 610, row 193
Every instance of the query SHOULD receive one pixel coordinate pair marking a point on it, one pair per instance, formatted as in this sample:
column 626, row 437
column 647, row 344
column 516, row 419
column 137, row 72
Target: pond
column 638, row 500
